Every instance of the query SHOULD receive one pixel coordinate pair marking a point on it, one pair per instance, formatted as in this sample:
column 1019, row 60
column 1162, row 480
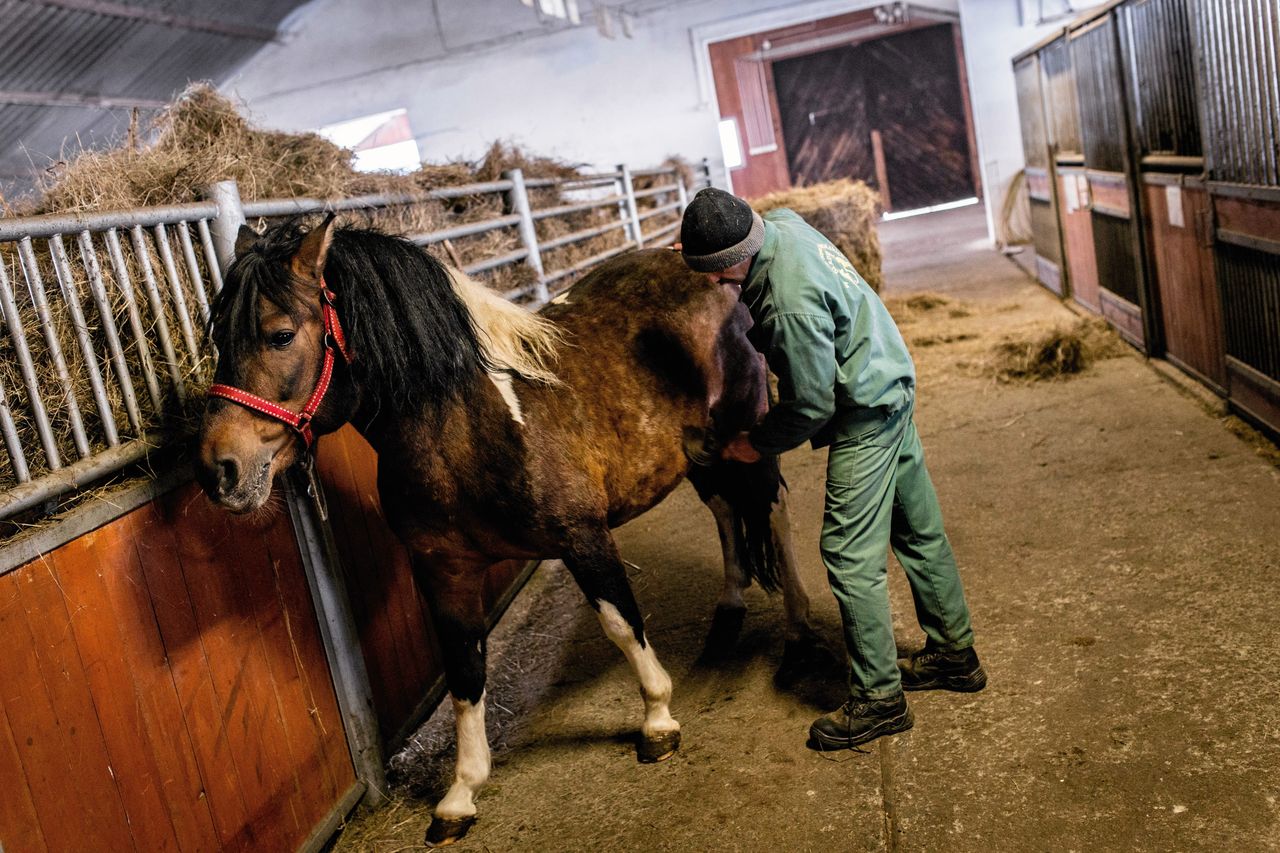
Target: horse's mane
column 512, row 338
column 418, row 333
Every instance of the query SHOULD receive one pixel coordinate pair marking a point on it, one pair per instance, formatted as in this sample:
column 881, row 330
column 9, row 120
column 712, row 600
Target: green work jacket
column 837, row 353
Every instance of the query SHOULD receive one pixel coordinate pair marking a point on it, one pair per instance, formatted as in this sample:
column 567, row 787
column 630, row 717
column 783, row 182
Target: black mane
column 413, row 339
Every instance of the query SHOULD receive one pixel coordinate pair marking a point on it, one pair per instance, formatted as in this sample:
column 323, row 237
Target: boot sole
column 971, row 683
column 892, row 726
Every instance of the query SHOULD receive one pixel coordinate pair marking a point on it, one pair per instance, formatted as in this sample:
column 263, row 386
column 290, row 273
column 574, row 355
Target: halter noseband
column 300, row 422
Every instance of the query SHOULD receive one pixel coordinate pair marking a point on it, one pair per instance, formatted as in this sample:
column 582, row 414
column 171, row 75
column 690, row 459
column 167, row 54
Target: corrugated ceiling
column 71, row 71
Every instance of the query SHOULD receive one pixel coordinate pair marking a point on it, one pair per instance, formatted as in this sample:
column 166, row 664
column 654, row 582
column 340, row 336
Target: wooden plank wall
column 164, row 687
column 400, row 649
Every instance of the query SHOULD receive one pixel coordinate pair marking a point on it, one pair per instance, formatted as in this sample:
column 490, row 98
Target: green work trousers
column 879, row 495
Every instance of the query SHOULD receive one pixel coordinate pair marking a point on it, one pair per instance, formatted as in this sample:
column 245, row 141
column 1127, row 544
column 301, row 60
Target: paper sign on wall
column 1069, row 193
column 1173, row 196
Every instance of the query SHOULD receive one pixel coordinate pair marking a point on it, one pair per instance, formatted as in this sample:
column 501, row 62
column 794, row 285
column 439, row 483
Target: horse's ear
column 309, row 262
column 245, row 239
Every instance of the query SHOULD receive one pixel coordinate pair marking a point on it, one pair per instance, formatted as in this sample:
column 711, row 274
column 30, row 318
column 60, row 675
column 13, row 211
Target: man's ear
column 245, row 238
column 309, row 262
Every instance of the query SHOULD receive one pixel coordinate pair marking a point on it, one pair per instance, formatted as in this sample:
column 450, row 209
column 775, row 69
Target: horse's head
column 281, row 356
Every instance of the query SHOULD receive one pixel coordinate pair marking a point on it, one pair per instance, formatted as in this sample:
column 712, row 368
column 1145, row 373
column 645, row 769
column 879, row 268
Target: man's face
column 736, row 274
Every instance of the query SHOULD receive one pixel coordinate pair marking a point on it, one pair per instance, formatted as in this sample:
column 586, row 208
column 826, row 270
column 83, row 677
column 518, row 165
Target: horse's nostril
column 228, row 474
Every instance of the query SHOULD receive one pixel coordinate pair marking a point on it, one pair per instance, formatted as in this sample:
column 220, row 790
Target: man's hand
column 739, row 449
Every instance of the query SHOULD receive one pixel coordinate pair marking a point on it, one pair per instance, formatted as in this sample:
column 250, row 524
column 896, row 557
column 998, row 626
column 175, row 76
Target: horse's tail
column 751, row 491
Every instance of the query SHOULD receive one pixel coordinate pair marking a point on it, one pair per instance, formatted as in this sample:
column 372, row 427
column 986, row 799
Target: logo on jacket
column 838, row 264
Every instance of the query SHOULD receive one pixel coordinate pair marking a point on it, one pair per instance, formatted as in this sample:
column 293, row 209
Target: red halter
column 301, row 422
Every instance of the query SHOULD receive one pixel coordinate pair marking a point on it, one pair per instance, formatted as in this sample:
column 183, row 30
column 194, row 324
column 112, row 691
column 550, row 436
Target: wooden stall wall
column 1046, row 234
column 1235, row 44
column 164, row 687
column 1155, row 39
column 394, row 623
column 1117, row 235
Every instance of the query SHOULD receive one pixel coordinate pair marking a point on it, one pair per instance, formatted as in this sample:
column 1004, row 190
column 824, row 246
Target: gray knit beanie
column 719, row 230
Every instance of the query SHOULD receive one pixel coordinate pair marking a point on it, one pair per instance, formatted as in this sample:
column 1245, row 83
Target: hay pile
column 1055, row 353
column 845, row 212
column 203, row 138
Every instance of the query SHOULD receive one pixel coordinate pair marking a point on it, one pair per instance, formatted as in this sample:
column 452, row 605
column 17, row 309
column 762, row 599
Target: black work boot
column 860, row 720
column 934, row 669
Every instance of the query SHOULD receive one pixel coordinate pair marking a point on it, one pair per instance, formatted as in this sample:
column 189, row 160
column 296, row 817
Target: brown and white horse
column 500, row 434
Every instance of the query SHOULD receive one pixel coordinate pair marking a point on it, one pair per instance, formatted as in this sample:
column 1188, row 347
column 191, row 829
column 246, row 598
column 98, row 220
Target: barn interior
column 1071, row 209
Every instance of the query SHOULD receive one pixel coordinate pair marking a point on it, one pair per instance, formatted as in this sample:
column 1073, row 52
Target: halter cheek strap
column 334, row 340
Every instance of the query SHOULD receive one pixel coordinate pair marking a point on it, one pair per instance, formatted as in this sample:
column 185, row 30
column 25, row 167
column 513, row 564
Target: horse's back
column 650, row 346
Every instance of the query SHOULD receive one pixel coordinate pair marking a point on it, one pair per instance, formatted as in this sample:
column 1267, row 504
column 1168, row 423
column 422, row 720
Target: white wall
column 490, row 71
column 472, row 72
column 994, row 32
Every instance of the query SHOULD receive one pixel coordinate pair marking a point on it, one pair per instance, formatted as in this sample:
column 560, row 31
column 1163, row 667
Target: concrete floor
column 1120, row 550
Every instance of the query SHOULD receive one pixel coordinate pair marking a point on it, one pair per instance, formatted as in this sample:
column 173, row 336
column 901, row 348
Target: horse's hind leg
column 455, row 596
column 593, row 560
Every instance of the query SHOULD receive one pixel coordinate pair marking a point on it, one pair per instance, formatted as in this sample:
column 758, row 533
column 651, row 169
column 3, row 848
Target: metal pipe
column 565, row 209
column 323, row 569
column 468, row 230
column 143, row 258
column 578, row 236
column 226, row 225
column 297, row 206
column 629, row 191
column 665, row 188
column 193, row 271
column 89, row 259
column 662, row 232
column 210, row 256
column 175, row 290
column 76, row 475
column 125, row 283
column 518, row 198
column 17, row 459
column 591, row 261
column 500, row 260
column 35, row 283
column 658, row 211
column 71, row 296
column 27, row 368
column 50, row 225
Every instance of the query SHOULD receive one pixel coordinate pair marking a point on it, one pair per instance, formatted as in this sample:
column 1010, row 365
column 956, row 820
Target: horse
column 500, row 433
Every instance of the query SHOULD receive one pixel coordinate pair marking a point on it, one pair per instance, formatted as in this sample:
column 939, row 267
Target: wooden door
column 905, row 88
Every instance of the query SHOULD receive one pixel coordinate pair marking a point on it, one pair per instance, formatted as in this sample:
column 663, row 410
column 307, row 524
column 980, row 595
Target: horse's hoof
column 446, row 830
column 658, row 747
column 726, row 625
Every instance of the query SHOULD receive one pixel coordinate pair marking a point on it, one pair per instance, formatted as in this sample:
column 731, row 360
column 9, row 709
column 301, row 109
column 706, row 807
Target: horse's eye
column 280, row 339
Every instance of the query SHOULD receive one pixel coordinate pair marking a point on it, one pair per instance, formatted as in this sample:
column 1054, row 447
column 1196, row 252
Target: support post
column 633, row 214
column 341, row 639
column 226, row 225
column 706, row 172
column 682, row 192
column 518, row 198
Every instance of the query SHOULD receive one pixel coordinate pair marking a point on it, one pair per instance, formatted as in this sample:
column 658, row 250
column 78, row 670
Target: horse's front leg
column 795, row 598
column 593, row 560
column 455, row 594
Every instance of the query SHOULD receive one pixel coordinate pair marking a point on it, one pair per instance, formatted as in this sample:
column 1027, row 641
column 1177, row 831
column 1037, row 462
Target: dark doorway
column 906, row 90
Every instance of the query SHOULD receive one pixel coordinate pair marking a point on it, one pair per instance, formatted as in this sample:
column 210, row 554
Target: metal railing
column 106, row 314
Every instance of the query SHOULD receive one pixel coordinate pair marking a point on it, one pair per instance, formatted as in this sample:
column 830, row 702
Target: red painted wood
column 141, row 719
column 218, row 553
column 761, row 173
column 1249, row 217
column 158, row 554
column 1186, row 279
column 53, row 720
column 1077, row 242
column 19, row 821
